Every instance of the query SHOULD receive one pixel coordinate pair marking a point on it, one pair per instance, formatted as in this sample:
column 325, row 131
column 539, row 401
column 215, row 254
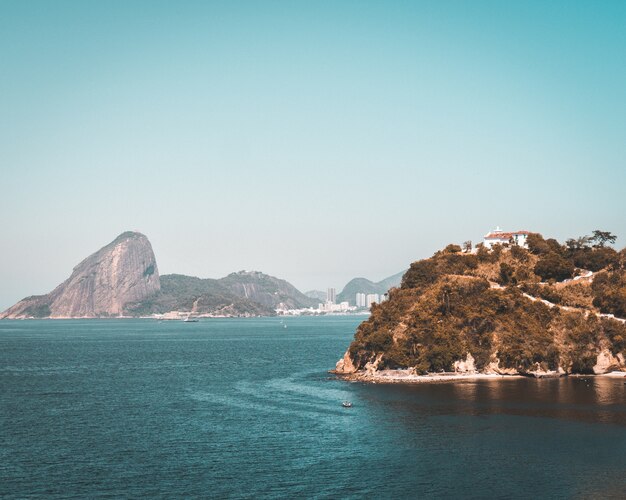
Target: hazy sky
column 315, row 141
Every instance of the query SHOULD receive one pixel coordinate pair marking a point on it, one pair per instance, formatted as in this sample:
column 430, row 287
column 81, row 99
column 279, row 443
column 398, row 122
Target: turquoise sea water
column 245, row 408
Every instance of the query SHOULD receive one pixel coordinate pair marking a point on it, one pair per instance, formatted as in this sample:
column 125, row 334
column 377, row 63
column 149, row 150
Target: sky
column 314, row 141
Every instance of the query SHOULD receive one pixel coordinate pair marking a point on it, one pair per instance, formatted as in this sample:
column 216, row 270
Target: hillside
column 363, row 285
column 266, row 290
column 545, row 310
column 122, row 279
column 317, row 295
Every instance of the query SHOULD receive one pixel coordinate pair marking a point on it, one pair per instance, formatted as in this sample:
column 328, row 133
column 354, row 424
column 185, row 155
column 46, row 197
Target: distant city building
column 370, row 299
column 331, row 295
column 360, row 299
column 329, row 307
column 499, row 237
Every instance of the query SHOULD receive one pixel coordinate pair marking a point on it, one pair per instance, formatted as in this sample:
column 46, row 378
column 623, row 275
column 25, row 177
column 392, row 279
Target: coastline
column 410, row 377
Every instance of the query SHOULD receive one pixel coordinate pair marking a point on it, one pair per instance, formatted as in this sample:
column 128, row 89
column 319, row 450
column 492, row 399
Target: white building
column 370, row 299
column 499, row 237
column 329, row 307
column 331, row 295
column 360, row 299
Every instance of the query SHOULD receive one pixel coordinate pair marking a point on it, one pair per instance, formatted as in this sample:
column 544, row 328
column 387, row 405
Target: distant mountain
column 123, row 271
column 122, row 279
column 197, row 296
column 266, row 290
column 363, row 285
column 318, row 295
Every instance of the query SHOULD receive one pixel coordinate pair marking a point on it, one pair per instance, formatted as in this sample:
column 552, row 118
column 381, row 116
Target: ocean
column 245, row 408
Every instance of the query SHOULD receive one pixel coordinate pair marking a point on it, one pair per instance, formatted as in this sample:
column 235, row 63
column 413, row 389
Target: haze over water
column 246, row 408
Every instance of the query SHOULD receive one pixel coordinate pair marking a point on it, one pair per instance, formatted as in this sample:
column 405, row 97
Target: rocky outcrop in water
column 499, row 311
column 122, row 272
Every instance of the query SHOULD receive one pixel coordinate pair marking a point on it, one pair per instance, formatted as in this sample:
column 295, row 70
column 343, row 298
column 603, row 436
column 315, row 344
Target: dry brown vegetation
column 457, row 303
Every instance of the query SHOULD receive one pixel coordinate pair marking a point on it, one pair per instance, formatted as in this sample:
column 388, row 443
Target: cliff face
column 122, row 272
column 493, row 312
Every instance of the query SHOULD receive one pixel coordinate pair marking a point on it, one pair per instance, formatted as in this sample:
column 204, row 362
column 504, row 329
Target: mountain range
column 363, row 285
column 122, row 279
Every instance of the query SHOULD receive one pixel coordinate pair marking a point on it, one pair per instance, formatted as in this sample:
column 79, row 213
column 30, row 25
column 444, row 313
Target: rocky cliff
column 503, row 311
column 122, row 279
column 122, row 272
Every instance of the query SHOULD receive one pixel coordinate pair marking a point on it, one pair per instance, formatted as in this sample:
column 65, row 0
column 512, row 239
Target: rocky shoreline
column 607, row 366
column 410, row 377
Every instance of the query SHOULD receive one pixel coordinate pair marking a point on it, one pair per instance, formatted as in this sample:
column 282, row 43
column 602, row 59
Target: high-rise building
column 360, row 299
column 370, row 299
column 331, row 295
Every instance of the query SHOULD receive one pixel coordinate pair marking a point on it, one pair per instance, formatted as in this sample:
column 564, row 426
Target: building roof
column 501, row 235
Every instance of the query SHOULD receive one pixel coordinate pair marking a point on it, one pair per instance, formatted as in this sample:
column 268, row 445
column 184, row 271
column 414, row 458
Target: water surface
column 246, row 408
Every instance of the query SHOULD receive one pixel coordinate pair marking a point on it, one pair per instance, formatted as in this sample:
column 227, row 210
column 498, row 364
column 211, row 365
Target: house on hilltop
column 499, row 237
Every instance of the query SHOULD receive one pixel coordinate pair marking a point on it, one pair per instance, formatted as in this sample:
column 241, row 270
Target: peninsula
column 533, row 307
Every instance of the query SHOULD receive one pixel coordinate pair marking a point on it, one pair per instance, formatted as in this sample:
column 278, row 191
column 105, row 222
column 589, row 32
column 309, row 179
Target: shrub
column 519, row 253
column 536, row 244
column 422, row 272
column 609, row 293
column 506, row 274
column 452, row 248
column 553, row 266
column 595, row 259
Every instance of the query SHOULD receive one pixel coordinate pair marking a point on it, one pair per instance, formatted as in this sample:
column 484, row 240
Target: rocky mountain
column 266, row 290
column 122, row 272
column 550, row 309
column 363, row 285
column 238, row 294
column 122, row 279
column 188, row 294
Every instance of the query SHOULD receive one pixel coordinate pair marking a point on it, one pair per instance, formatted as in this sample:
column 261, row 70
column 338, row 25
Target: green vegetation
column 489, row 304
column 187, row 293
column 38, row 311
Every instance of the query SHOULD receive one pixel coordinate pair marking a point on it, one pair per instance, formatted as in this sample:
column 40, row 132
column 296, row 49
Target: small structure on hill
column 499, row 237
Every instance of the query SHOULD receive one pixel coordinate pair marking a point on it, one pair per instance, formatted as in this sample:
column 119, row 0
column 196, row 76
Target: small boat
column 346, row 404
column 190, row 320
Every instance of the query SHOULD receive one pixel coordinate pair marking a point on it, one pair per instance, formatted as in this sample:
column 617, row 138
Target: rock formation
column 122, row 279
column 122, row 272
column 499, row 311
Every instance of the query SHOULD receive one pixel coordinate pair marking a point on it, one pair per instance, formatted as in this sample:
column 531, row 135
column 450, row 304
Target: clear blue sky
column 315, row 141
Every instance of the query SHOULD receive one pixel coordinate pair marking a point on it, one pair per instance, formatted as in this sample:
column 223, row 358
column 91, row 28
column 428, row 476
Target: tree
column 601, row 238
column 452, row 248
column 578, row 243
column 506, row 274
column 554, row 266
column 536, row 244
